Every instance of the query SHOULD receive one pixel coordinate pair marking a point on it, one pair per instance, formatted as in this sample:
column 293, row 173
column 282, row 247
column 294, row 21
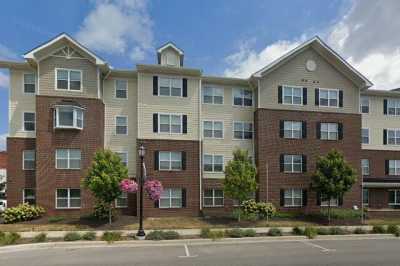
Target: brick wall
column 3, row 159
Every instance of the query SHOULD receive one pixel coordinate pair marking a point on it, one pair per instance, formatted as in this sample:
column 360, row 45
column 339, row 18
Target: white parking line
column 187, row 253
column 325, row 250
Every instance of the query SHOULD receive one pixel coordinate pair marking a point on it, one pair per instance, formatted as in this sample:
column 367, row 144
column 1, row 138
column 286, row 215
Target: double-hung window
column 169, row 123
column 68, row 198
column 28, row 160
column 393, row 106
column 121, row 89
column 292, row 129
column 292, row 95
column 29, row 121
column 242, row 97
column 325, row 202
column 365, row 196
column 329, row 131
column 364, row 104
column 213, row 163
column 213, row 198
column 29, row 83
column 292, row 163
column 394, row 198
column 124, row 157
column 293, row 197
column 171, row 198
column 365, row 166
column 329, row 97
column 68, row 159
column 29, row 196
column 365, row 135
column 394, row 167
column 242, row 130
column 68, row 79
column 213, row 95
column 170, row 161
column 213, row 129
column 69, row 117
column 122, row 200
column 393, row 136
column 121, row 125
column 170, row 87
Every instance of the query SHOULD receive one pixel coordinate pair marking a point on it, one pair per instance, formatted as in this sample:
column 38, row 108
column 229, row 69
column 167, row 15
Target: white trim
column 98, row 82
column 329, row 131
column 68, row 198
column 213, row 163
column 170, row 133
column 292, row 164
column 121, row 206
column 23, row 194
column 213, row 197
column 68, row 158
column 23, row 83
column 396, row 197
column 127, row 156
column 213, row 87
column 115, row 123
column 396, row 130
column 380, row 185
column 242, row 106
column 214, row 121
column 167, row 45
column 242, row 139
column 369, row 109
column 170, row 206
column 395, row 108
column 169, row 161
column 23, row 121
column 115, row 88
column 292, row 87
column 170, row 78
column 293, row 198
column 362, row 167
column 69, row 70
column 292, row 130
column 23, row 160
column 74, row 117
column 328, row 106
column 396, row 166
column 368, row 135
column 38, row 79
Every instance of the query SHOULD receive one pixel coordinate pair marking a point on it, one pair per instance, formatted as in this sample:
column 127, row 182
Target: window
column 242, row 130
column 365, row 166
column 365, row 135
column 292, row 129
column 121, row 125
column 122, row 201
column 393, row 136
column 365, row 196
column 170, row 123
column 329, row 131
column 68, row 159
column 28, row 160
column 213, row 129
column 213, row 163
column 292, row 163
column 29, row 83
column 394, row 197
column 121, row 89
column 213, row 198
column 124, row 157
column 171, row 198
column 170, row 87
column 69, row 117
column 29, row 121
column 69, row 79
column 242, row 97
column 292, row 95
column 28, row 196
column 329, row 97
column 170, row 160
column 394, row 167
column 68, row 198
column 213, row 95
column 364, row 104
column 293, row 197
column 325, row 201
column 393, row 106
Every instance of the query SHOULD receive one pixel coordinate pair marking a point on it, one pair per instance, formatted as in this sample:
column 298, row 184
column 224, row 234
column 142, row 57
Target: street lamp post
column 141, row 234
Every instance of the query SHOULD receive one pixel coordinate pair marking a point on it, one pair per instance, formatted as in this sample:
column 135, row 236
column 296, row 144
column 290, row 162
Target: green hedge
column 22, row 212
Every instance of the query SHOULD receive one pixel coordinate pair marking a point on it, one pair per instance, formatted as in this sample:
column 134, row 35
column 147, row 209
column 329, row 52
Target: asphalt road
column 382, row 252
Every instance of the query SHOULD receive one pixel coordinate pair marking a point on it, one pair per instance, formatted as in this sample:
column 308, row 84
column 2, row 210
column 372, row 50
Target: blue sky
column 232, row 38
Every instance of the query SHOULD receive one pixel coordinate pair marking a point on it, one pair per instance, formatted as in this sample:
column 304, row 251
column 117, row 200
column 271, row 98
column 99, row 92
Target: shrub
column 234, row 233
column 258, row 210
column 287, row 215
column 42, row 237
column 162, row 235
column 341, row 214
column 2, row 234
column 274, row 232
column 338, row 231
column 111, row 236
column 218, row 234
column 101, row 211
column 22, row 212
column 297, row 231
column 55, row 219
column 360, row 231
column 72, row 236
column 378, row 229
column 310, row 232
column 393, row 229
column 9, row 238
column 323, row 231
column 397, row 234
column 168, row 235
column 89, row 236
column 249, row 233
column 204, row 233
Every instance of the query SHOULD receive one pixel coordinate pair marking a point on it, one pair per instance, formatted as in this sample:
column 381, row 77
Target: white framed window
column 365, row 166
column 122, row 201
column 121, row 89
column 365, row 196
column 393, row 106
column 334, row 202
column 242, row 130
column 171, row 198
column 29, row 120
column 292, row 163
column 292, row 129
column 242, row 97
column 213, row 95
column 170, row 86
column 293, row 197
column 329, row 131
column 364, row 104
column 169, row 123
column 394, row 197
column 29, row 83
column 170, row 161
column 213, row 198
column 121, row 125
column 69, row 117
column 292, row 95
column 28, row 160
column 68, row 79
column 28, row 196
column 213, row 163
column 329, row 97
column 124, row 157
column 365, row 135
column 394, row 167
column 393, row 136
column 213, row 129
column 68, row 198
column 68, row 159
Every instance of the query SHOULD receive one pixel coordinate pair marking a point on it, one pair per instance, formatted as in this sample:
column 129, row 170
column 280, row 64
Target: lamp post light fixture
column 141, row 234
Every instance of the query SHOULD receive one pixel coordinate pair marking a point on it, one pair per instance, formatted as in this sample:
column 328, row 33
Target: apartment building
column 66, row 103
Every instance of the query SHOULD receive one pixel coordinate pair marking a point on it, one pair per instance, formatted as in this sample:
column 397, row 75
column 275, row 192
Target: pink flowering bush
column 128, row 185
column 153, row 188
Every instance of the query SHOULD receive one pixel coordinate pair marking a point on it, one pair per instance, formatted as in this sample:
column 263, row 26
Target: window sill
column 161, row 170
column 219, row 206
column 72, row 208
column 68, row 128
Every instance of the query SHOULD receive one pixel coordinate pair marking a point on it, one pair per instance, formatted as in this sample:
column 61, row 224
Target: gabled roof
column 31, row 54
column 170, row 45
column 313, row 42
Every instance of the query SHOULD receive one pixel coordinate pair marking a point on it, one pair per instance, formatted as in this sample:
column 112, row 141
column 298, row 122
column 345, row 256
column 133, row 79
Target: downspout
column 200, row 148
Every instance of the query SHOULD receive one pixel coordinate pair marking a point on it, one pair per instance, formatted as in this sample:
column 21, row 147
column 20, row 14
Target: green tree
column 333, row 177
column 104, row 177
column 240, row 177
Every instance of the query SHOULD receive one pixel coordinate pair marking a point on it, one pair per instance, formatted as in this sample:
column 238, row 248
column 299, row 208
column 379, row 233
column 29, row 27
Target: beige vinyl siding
column 19, row 102
column 228, row 114
column 123, row 107
column 47, row 77
column 294, row 73
column 170, row 53
column 149, row 104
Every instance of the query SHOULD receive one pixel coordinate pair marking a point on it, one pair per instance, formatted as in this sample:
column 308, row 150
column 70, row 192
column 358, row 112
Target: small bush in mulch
column 393, row 229
column 217, row 234
column 234, row 233
column 338, row 231
column 274, row 232
column 111, row 237
column 72, row 236
column 360, row 231
column 162, row 235
column 378, row 229
column 90, row 236
column 249, row 233
column 9, row 238
column 310, row 232
column 323, row 231
column 204, row 232
column 42, row 237
column 297, row 231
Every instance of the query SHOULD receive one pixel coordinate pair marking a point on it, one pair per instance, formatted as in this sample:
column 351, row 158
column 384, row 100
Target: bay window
column 69, row 117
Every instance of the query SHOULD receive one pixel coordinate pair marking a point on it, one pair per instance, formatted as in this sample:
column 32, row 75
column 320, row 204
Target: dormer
column 170, row 55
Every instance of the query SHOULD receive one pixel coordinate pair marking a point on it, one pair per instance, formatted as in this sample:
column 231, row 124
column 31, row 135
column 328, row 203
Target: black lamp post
column 141, row 234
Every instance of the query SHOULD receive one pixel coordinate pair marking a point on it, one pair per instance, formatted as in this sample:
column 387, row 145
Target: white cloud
column 3, row 141
column 6, row 53
column 4, row 80
column 118, row 27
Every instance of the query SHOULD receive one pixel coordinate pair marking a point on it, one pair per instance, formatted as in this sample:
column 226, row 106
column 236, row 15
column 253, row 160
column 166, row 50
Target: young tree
column 333, row 177
column 104, row 178
column 240, row 177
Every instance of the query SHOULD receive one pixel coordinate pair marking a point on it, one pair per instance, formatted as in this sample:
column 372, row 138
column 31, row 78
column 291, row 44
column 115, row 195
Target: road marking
column 187, row 253
column 326, row 250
